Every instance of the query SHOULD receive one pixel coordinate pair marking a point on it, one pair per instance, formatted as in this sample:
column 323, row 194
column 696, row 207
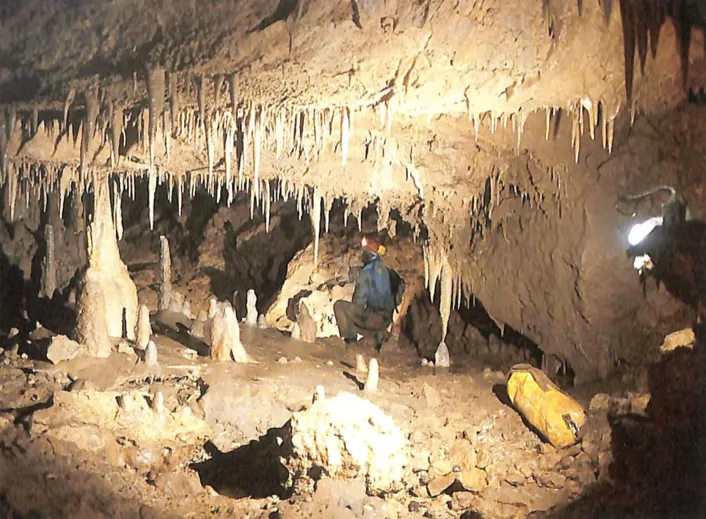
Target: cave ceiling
column 395, row 102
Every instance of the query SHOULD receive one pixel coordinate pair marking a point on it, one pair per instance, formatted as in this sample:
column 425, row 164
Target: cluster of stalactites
column 586, row 116
column 437, row 267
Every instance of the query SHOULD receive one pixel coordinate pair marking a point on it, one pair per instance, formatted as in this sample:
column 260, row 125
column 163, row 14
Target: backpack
column 397, row 285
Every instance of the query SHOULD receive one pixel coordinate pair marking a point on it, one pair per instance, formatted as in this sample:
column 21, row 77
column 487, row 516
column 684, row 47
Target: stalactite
column 152, row 188
column 211, row 151
column 67, row 104
column 180, row 191
column 257, row 148
column 345, row 127
column 155, row 101
column 548, row 111
column 88, row 128
column 316, row 222
column 117, row 210
column 267, row 206
column 228, row 150
column 445, row 295
column 233, row 95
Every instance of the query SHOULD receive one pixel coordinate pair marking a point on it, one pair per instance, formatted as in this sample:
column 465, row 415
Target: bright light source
column 643, row 262
column 640, row 230
column 364, row 243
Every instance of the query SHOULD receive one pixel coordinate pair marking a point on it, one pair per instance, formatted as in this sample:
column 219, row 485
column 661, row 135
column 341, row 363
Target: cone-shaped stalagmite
column 106, row 272
column 225, row 336
column 144, row 329
column 165, row 274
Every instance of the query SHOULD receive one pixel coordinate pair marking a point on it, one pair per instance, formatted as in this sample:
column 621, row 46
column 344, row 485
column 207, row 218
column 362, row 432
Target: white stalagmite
column 48, row 264
column 152, row 188
column 371, row 383
column 316, row 222
column 225, row 337
column 360, row 365
column 441, row 357
column 144, row 328
column 165, row 274
column 155, row 93
column 151, row 354
column 251, row 302
column 107, row 277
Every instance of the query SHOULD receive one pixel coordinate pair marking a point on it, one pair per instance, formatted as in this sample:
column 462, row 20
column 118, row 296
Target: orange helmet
column 373, row 246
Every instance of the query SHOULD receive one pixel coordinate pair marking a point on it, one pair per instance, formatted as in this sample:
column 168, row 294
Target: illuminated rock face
column 107, row 280
column 348, row 437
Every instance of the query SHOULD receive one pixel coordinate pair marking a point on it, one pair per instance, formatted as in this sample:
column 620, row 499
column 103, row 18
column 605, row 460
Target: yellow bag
column 557, row 416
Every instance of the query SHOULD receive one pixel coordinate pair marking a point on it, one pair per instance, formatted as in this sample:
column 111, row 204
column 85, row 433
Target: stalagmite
column 91, row 323
column 155, row 93
column 197, row 327
column 306, row 325
column 212, row 307
column 441, row 357
column 261, row 321
column 165, row 274
column 144, row 328
column 251, row 304
column 360, row 365
column 371, row 383
column 316, row 222
column 48, row 286
column 225, row 337
column 158, row 404
column 106, row 273
column 152, row 188
column 151, row 354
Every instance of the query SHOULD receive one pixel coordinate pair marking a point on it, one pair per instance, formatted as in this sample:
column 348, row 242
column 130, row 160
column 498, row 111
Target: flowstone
column 347, row 437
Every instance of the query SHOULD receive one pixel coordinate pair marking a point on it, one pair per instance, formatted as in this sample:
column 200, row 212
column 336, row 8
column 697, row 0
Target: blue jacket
column 373, row 287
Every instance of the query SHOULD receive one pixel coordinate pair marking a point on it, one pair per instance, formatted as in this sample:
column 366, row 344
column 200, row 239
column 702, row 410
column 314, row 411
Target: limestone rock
column 437, row 485
column 62, row 348
column 680, row 339
column 599, row 402
column 431, row 395
column 261, row 321
column 349, row 437
column 144, row 328
column 473, row 479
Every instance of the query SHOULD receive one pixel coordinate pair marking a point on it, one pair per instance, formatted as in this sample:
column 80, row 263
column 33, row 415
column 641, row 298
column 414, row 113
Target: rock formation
column 106, row 280
column 251, row 315
column 441, row 358
column 225, row 337
column 91, row 323
column 371, row 383
column 348, row 437
column 199, row 324
column 151, row 354
column 144, row 328
column 48, row 264
column 165, row 274
column 306, row 324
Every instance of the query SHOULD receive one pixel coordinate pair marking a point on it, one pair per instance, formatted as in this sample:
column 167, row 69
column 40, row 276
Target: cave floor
column 56, row 461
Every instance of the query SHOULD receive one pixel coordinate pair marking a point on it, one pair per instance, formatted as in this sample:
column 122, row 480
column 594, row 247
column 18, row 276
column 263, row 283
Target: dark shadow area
column 179, row 333
column 252, row 470
column 351, row 376
column 283, row 10
column 658, row 461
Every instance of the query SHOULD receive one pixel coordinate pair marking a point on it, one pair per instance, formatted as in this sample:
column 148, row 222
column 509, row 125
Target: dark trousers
column 353, row 319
